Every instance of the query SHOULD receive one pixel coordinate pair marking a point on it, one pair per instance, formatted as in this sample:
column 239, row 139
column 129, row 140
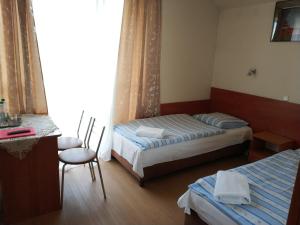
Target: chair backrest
column 87, row 133
column 94, row 131
column 88, row 129
column 79, row 125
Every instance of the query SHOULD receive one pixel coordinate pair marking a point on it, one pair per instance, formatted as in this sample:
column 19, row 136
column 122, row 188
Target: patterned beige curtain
column 137, row 83
column 21, row 81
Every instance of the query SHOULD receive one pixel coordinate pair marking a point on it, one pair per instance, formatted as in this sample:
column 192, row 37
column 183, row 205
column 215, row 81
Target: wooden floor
column 127, row 202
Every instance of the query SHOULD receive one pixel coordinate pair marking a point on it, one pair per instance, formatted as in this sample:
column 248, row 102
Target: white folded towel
column 232, row 188
column 151, row 132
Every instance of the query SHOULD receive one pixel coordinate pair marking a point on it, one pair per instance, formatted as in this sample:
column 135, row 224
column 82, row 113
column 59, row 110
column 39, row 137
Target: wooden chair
column 78, row 156
column 71, row 142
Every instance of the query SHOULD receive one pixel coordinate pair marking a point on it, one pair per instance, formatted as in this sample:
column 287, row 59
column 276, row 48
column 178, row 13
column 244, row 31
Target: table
column 30, row 185
column 265, row 144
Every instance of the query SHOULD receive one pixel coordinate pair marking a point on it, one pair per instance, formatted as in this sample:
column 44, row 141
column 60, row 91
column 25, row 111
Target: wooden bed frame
column 172, row 166
column 293, row 217
column 193, row 219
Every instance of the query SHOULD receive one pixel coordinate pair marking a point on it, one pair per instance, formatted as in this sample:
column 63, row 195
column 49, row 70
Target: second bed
column 163, row 159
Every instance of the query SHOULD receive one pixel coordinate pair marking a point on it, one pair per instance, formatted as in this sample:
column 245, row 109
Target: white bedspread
column 209, row 213
column 140, row 159
column 271, row 184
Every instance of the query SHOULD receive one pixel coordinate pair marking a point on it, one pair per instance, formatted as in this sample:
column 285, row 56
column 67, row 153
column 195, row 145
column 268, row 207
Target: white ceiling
column 237, row 3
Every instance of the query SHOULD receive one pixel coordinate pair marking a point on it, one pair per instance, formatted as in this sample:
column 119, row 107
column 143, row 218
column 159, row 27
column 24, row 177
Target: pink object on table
column 17, row 132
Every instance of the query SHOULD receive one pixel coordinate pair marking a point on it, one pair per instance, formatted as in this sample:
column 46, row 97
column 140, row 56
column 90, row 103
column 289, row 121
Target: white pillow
column 221, row 120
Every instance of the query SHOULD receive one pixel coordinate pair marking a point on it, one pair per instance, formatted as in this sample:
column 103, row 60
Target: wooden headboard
column 193, row 107
column 262, row 113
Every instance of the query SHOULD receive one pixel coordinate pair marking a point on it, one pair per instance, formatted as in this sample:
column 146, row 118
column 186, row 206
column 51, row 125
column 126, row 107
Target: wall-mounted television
column 286, row 23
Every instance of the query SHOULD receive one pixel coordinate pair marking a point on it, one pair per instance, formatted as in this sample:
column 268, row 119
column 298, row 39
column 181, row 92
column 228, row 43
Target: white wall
column 189, row 29
column 243, row 42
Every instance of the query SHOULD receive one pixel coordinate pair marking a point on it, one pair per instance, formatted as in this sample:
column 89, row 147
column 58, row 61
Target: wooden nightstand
column 265, row 144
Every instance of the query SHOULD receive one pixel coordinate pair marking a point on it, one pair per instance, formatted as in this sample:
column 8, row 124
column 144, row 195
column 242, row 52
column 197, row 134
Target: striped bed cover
column 271, row 186
column 179, row 128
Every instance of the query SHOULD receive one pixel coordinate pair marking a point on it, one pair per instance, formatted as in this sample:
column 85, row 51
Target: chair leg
column 100, row 174
column 62, row 185
column 92, row 171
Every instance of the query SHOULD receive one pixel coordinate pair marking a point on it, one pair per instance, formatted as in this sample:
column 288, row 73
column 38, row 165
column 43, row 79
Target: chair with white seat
column 78, row 156
column 71, row 142
column 65, row 143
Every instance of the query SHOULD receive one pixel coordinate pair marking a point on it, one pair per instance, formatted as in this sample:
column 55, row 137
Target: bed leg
column 141, row 183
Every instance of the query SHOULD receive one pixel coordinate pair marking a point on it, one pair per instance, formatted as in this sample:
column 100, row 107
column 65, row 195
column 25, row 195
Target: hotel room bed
column 159, row 160
column 271, row 186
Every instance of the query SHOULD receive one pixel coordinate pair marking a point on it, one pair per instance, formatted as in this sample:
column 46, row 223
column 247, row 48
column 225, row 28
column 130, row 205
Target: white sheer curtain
column 78, row 42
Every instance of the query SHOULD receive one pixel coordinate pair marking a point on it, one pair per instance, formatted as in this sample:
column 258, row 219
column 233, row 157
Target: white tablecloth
column 19, row 147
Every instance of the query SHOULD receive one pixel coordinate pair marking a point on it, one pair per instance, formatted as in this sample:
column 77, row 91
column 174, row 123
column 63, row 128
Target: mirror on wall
column 286, row 23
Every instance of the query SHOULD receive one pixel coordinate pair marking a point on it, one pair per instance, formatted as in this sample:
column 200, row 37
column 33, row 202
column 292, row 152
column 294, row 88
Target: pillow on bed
column 221, row 120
